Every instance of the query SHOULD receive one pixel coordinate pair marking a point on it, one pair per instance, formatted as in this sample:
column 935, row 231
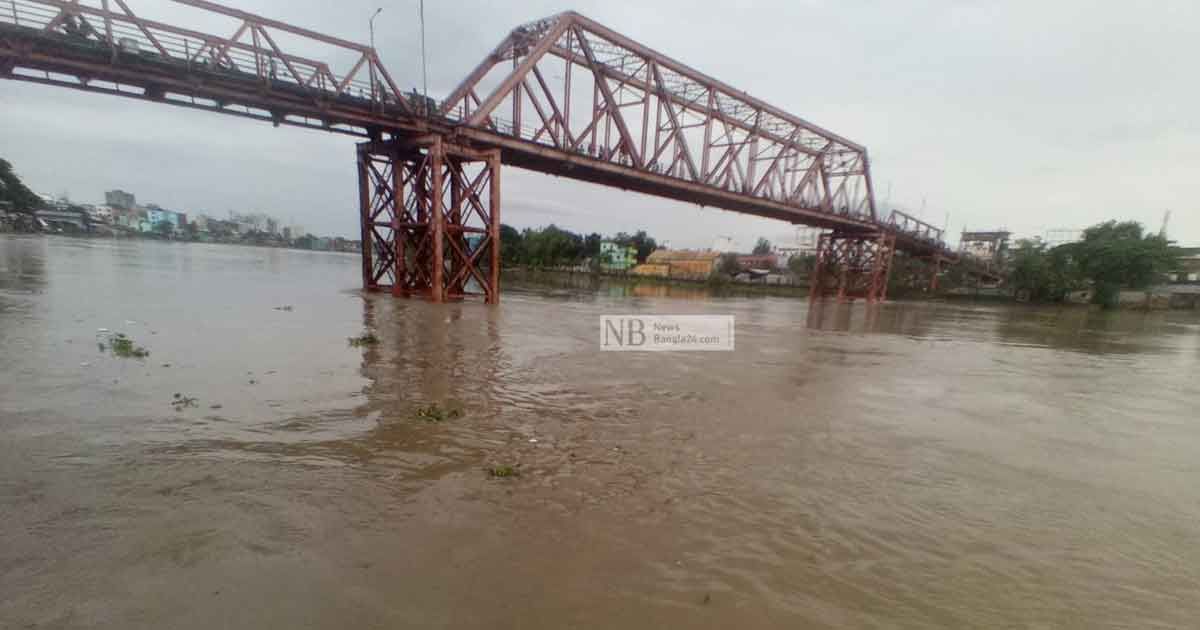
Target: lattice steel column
column 853, row 266
column 431, row 219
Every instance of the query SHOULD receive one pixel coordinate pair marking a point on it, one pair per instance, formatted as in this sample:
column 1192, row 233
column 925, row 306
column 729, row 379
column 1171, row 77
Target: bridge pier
column 429, row 212
column 853, row 265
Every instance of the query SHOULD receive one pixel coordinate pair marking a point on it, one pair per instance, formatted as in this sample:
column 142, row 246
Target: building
column 802, row 243
column 682, row 264
column 989, row 247
column 120, row 199
column 130, row 218
column 1188, row 269
column 763, row 262
column 100, row 214
column 156, row 215
column 617, row 257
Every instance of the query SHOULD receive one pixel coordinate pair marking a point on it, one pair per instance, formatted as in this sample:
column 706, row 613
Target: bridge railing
column 908, row 225
column 254, row 47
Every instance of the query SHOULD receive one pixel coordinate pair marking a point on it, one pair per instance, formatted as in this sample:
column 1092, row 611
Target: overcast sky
column 1025, row 115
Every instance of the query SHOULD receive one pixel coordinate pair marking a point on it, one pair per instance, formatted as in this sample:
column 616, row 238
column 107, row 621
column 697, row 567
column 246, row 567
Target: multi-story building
column 989, row 247
column 617, row 257
column 156, row 215
column 801, row 243
column 1187, row 271
column 120, row 199
column 100, row 214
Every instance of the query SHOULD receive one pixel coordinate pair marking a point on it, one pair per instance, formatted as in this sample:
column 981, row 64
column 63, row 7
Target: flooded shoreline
column 933, row 465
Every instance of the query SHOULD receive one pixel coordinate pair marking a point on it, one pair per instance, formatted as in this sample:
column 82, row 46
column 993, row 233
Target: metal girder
column 261, row 57
column 430, row 218
column 853, row 266
column 746, row 146
column 705, row 143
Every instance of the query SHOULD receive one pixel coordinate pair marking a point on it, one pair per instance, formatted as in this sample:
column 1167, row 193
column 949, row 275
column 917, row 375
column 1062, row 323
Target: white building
column 801, row 242
column 100, row 214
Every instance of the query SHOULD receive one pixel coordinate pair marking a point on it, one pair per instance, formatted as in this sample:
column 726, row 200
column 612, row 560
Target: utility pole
column 372, row 24
column 424, row 64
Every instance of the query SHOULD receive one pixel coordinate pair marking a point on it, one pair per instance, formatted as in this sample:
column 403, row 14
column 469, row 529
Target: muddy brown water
column 912, row 466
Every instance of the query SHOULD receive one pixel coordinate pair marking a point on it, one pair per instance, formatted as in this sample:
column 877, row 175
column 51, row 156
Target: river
column 916, row 465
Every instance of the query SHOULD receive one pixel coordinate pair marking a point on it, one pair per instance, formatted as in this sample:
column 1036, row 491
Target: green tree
column 642, row 242
column 1045, row 274
column 1113, row 255
column 551, row 246
column 15, row 192
column 591, row 245
column 511, row 246
column 801, row 265
column 728, row 265
column 762, row 247
column 1031, row 270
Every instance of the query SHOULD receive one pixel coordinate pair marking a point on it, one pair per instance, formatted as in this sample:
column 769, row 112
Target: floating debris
column 181, row 402
column 123, row 347
column 365, row 339
column 287, row 308
column 501, row 472
column 434, row 413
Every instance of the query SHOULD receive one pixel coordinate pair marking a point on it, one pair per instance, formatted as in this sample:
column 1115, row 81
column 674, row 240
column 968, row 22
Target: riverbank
column 722, row 288
column 323, row 244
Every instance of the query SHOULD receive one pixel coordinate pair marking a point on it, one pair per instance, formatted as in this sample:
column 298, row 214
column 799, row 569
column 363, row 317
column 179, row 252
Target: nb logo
column 622, row 331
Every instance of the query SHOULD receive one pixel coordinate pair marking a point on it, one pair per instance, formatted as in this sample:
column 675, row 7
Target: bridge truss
column 564, row 95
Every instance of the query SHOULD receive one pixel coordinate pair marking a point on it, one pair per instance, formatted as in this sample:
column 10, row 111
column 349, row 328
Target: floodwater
column 911, row 466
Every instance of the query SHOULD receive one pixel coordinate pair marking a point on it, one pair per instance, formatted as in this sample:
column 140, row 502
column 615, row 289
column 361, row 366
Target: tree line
column 552, row 246
column 15, row 194
column 1110, row 256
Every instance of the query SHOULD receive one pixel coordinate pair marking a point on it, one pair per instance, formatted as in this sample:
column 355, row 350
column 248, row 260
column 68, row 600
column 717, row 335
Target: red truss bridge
column 563, row 95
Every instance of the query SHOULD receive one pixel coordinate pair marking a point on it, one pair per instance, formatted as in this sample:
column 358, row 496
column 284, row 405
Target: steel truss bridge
column 563, row 95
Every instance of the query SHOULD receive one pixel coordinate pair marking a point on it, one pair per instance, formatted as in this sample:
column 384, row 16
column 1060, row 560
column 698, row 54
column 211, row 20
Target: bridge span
column 564, row 95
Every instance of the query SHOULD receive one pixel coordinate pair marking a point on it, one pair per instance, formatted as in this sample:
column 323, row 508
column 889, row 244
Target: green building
column 616, row 257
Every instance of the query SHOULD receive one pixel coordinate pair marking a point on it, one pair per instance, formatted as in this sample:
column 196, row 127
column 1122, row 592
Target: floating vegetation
column 501, row 472
column 434, row 413
column 181, row 402
column 365, row 339
column 122, row 346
